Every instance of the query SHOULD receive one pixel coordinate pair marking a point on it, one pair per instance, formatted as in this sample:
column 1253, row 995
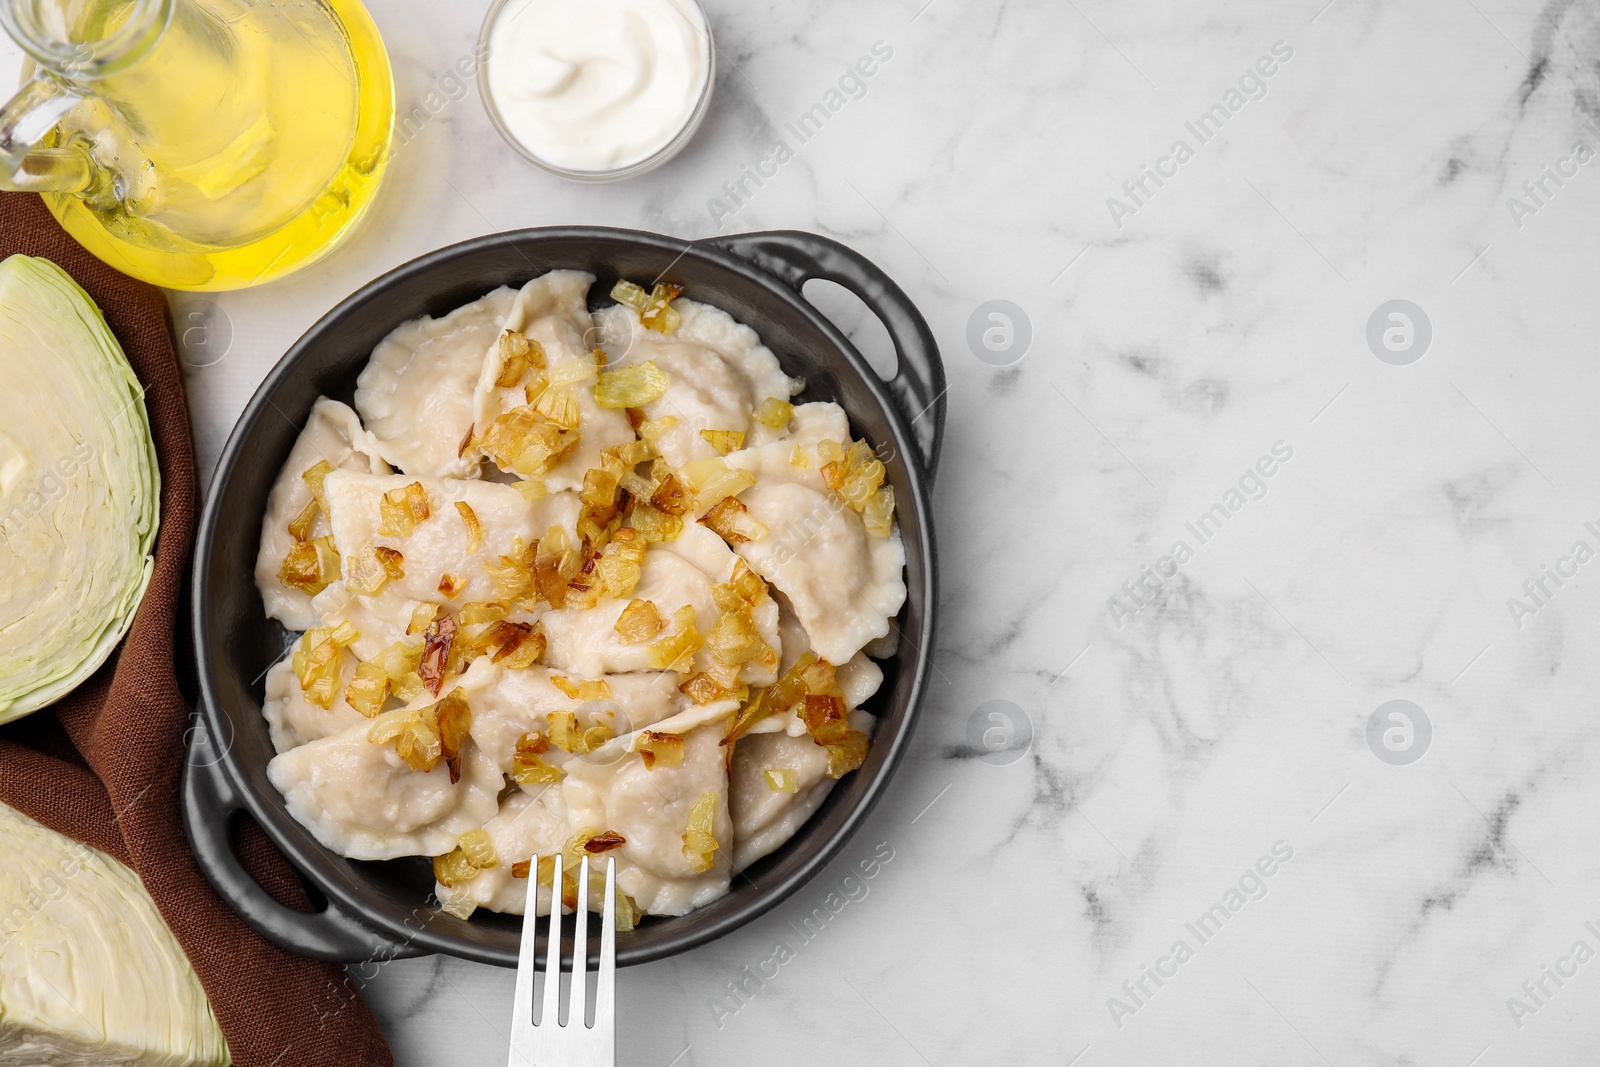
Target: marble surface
column 1174, row 722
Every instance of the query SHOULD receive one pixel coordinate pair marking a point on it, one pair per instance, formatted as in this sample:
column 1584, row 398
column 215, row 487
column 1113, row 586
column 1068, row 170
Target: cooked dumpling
column 362, row 800
column 507, row 704
column 416, row 393
column 858, row 679
column 333, row 433
column 652, row 809
column 674, row 574
column 811, row 424
column 438, row 546
column 553, row 311
column 718, row 369
column 845, row 585
column 292, row 720
column 526, row 826
column 764, row 817
column 379, row 620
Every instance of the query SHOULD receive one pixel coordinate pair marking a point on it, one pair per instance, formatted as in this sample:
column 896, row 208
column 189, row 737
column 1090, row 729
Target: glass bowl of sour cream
column 597, row 90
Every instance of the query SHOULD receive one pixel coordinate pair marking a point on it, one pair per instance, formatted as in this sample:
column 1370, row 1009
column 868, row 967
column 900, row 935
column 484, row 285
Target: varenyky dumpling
column 674, row 574
column 363, row 801
column 718, row 371
column 525, row 826
column 416, row 394
column 651, row 808
column 438, row 555
column 507, row 705
column 333, row 434
column 844, row 583
column 292, row 720
column 552, row 311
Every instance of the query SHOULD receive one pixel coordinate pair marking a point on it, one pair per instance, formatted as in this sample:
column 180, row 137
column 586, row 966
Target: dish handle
column 210, row 804
column 918, row 386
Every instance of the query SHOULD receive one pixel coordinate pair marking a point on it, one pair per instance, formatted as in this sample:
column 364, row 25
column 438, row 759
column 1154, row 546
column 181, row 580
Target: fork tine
column 550, row 1017
column 605, row 1000
column 522, row 1010
column 578, row 1003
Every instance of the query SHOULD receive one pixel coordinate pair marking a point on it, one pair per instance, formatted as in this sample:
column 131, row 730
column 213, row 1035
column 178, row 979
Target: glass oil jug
column 199, row 144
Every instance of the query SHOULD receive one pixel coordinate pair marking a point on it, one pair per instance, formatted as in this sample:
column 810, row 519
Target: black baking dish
column 381, row 910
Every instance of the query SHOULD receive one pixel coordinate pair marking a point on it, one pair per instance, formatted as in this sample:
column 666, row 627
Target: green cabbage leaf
column 89, row 974
column 79, row 487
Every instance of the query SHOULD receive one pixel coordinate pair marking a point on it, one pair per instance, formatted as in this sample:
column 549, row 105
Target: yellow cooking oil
column 243, row 145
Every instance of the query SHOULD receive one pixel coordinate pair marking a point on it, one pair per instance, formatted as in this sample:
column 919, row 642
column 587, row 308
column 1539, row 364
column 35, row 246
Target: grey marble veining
column 1185, row 833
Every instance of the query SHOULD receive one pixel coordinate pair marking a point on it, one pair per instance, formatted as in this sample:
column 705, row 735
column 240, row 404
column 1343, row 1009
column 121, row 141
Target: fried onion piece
column 479, row 849
column 310, row 566
column 319, row 661
column 824, row 717
column 659, row 314
column 469, row 519
column 415, row 735
column 877, row 515
column 437, row 645
column 652, row 429
column 618, row 568
column 781, row 780
column 672, row 496
column 368, row 689
column 634, row 296
column 639, row 621
column 512, row 575
column 527, row 765
column 401, row 510
column 749, row 713
column 774, row 413
column 676, row 653
column 707, row 687
column 454, row 719
column 604, row 841
column 582, row 689
column 847, row 755
column 301, row 525
column 653, row 524
column 699, row 840
column 527, row 442
column 400, row 662
column 599, row 488
column 732, row 522
column 658, row 748
column 454, row 868
column 313, row 476
column 714, row 480
column 724, row 441
column 631, row 387
column 518, row 355
column 422, row 617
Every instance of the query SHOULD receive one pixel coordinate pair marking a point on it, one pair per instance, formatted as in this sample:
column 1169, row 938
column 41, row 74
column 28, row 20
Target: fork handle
column 210, row 805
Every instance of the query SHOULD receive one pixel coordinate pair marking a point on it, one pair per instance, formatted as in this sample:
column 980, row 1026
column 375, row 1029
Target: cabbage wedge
column 79, row 487
column 89, row 974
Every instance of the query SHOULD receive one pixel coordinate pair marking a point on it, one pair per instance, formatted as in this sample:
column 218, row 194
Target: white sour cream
column 597, row 85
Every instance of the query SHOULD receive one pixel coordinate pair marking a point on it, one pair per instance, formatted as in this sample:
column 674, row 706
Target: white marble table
column 1193, row 717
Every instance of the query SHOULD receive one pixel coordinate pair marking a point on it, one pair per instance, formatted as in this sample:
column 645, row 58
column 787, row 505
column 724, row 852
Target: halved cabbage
column 89, row 973
column 79, row 487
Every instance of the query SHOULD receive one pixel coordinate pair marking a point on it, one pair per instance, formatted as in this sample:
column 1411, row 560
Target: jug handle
column 24, row 122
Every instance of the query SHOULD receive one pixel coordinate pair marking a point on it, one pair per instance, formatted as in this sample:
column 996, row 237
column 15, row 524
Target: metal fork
column 549, row 1043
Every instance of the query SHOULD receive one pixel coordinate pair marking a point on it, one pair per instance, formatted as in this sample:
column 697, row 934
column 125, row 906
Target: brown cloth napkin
column 103, row 764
